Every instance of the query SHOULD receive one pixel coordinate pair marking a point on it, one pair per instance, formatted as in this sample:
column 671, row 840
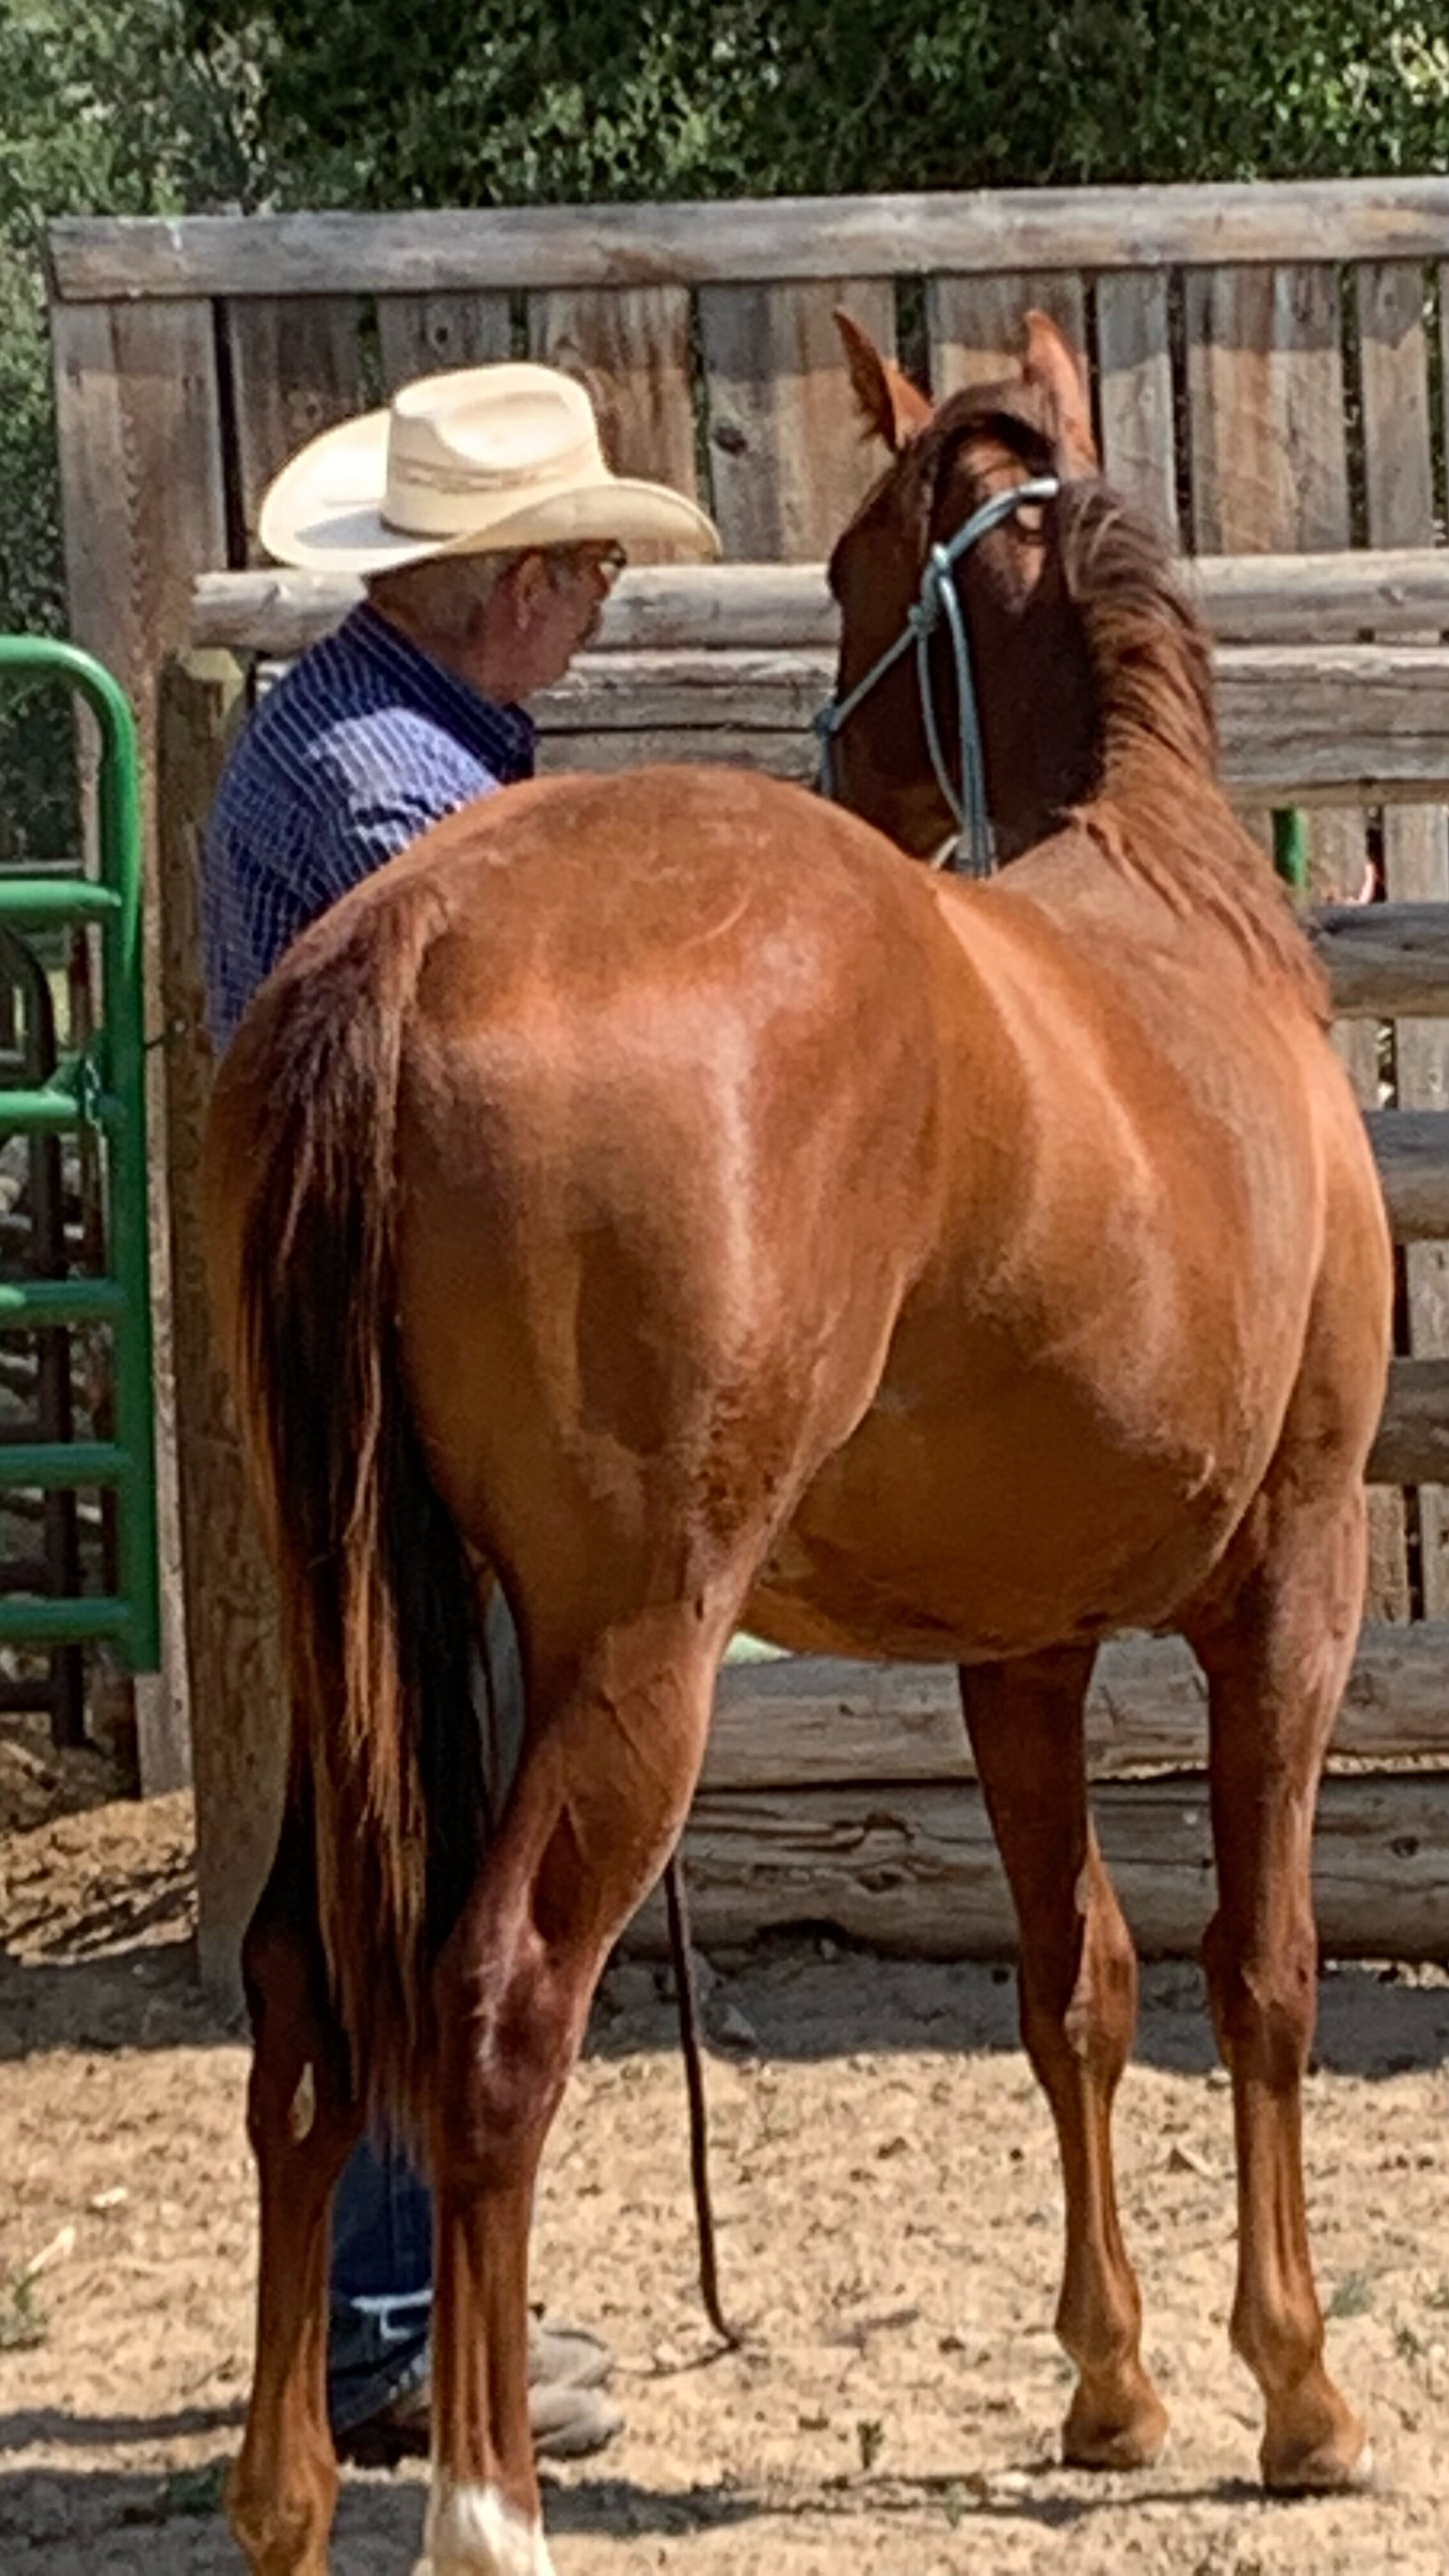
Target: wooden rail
column 729, row 663
column 760, row 240
column 913, row 1869
column 1269, row 598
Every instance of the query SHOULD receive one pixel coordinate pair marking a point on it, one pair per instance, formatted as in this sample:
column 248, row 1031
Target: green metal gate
column 100, row 1086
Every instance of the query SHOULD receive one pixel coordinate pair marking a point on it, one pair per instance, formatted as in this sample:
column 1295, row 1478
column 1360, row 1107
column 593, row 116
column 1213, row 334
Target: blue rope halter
column 938, row 597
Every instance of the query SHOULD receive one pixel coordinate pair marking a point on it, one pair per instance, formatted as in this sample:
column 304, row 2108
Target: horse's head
column 1033, row 679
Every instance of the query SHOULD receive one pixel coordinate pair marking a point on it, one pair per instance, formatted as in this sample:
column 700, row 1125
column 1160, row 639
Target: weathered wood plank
column 142, row 493
column 763, row 239
column 809, row 1720
column 1269, row 456
column 296, row 369
column 777, row 754
column 420, row 334
column 1297, row 724
column 1135, row 402
column 1328, row 597
column 1385, row 960
column 787, row 460
column 1320, row 725
column 143, row 509
column 651, row 692
column 1269, row 465
column 1318, row 598
column 1411, row 1149
column 974, row 324
column 1412, row 1443
column 912, row 1869
column 238, row 1701
column 1399, row 496
column 630, row 347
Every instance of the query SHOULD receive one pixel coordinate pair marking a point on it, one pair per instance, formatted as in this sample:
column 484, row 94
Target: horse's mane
column 1159, row 809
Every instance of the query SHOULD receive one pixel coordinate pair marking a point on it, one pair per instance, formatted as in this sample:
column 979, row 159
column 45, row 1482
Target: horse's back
column 669, row 1123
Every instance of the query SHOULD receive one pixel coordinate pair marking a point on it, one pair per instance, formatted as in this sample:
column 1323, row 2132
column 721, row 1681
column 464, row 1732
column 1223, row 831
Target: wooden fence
column 1265, row 381
column 839, row 1792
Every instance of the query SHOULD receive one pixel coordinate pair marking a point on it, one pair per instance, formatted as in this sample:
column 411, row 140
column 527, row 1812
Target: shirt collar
column 504, row 737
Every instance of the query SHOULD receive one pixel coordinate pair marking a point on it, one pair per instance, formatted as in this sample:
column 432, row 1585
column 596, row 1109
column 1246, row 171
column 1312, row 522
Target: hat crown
column 512, row 428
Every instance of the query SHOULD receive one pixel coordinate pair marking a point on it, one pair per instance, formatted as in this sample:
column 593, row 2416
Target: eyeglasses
column 569, row 563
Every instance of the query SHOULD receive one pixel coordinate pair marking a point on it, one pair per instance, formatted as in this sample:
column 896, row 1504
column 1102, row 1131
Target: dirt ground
column 890, row 2227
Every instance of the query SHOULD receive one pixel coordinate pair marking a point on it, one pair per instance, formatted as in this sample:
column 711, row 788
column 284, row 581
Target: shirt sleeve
column 366, row 812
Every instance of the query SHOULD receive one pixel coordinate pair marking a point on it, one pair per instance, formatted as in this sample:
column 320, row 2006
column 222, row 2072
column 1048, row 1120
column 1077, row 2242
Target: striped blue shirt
column 362, row 744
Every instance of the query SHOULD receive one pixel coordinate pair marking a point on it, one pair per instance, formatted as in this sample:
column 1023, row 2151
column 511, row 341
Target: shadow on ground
column 176, row 2526
column 782, row 2001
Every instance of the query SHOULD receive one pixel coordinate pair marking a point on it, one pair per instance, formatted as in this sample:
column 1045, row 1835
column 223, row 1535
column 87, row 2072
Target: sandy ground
column 890, row 2228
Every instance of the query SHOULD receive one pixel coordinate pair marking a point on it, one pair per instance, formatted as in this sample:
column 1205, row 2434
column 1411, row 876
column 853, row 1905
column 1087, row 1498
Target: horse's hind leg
column 1276, row 1668
column 302, row 2124
column 1078, row 2011
column 616, row 1735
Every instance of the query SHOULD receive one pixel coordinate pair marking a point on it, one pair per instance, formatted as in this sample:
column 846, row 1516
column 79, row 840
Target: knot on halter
column 926, row 609
column 938, row 598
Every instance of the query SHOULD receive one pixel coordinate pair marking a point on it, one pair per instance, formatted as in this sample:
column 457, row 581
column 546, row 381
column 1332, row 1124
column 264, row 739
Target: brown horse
column 659, row 1190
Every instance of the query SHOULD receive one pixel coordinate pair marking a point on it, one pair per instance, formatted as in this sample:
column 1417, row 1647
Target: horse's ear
column 888, row 402
column 1052, row 365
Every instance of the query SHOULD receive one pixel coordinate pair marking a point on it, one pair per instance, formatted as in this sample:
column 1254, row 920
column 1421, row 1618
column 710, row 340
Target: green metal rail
column 104, row 1089
column 1290, row 850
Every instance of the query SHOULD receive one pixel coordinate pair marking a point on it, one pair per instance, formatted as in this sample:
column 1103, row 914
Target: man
column 488, row 531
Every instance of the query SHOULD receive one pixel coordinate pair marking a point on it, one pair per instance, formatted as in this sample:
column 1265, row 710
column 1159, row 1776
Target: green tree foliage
column 393, row 102
column 107, row 107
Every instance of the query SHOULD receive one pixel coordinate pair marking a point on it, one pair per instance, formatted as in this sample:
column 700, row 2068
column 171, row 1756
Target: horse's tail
column 378, row 1603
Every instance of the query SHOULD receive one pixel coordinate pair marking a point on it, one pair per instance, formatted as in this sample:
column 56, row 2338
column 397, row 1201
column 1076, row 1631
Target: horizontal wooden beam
column 1300, row 724
column 513, row 247
column 1412, row 1443
column 1411, row 1149
column 674, row 607
column 911, row 1868
column 1385, row 960
column 684, row 656
column 1322, row 598
column 812, row 1721
column 1334, row 723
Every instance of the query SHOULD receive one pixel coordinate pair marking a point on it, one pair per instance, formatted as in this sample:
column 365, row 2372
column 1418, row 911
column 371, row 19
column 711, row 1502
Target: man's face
column 548, row 608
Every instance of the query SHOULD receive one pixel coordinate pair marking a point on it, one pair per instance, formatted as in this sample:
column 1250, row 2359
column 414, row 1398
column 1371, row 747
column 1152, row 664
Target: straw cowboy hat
column 480, row 460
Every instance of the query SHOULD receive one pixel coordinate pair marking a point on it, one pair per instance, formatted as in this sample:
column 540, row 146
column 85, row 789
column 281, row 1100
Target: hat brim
column 324, row 512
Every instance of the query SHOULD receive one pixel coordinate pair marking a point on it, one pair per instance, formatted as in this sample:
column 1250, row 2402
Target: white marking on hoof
column 474, row 2531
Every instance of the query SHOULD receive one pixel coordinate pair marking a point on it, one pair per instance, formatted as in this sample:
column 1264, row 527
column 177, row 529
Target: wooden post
column 234, row 1668
column 139, row 419
column 1399, row 494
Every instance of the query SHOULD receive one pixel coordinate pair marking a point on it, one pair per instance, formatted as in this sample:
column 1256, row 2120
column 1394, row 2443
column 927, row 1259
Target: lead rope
column 677, row 1905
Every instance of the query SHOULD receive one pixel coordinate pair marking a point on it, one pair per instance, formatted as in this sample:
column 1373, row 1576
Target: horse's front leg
column 1078, row 1982
column 302, row 2123
column 615, row 1738
column 1276, row 1668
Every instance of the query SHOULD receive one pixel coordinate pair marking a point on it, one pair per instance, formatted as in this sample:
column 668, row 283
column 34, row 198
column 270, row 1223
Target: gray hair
column 441, row 597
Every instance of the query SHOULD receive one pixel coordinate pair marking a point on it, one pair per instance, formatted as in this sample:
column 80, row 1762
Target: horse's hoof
column 1324, row 2470
column 1313, row 2443
column 1127, row 2432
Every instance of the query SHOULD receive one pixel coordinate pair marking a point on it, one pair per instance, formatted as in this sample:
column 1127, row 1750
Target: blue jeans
column 380, row 2302
column 380, row 2298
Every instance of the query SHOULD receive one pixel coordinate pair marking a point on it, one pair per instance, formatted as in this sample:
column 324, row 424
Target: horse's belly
column 975, row 1546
